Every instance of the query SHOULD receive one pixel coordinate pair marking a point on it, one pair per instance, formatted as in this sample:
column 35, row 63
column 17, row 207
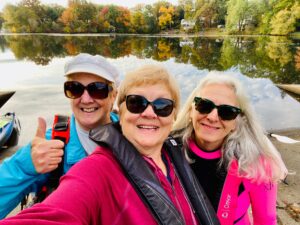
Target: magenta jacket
column 100, row 194
column 261, row 197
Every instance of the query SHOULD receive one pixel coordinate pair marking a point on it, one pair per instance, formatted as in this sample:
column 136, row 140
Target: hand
column 45, row 154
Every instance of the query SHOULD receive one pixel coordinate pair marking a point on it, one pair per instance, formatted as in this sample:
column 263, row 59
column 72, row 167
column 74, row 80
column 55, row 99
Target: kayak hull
column 9, row 130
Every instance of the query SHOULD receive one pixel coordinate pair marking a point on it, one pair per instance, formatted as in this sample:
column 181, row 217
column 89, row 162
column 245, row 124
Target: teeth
column 89, row 109
column 147, row 127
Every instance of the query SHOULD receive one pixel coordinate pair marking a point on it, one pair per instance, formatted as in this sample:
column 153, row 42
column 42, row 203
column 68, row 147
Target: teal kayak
column 9, row 130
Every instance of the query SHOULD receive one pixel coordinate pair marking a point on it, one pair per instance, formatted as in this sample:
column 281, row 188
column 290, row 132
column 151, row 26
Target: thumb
column 41, row 129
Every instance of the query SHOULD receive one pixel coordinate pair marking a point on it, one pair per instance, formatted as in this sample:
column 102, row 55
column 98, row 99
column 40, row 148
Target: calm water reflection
column 33, row 66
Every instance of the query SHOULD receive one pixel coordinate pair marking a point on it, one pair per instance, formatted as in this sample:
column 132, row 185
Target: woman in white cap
column 91, row 87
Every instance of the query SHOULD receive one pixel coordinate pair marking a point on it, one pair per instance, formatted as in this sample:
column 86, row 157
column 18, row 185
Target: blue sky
column 127, row 3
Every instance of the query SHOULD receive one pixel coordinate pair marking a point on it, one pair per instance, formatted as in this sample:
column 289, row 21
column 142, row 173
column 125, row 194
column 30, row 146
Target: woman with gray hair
column 232, row 158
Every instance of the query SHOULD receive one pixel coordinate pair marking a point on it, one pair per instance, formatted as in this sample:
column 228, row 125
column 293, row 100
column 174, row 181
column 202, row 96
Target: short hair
column 257, row 157
column 150, row 75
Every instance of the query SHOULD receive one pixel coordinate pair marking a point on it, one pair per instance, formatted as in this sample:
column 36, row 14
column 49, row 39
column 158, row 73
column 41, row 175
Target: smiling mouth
column 145, row 127
column 210, row 127
column 89, row 110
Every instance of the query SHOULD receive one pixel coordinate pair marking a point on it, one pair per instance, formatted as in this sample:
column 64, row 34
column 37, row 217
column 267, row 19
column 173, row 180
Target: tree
column 20, row 19
column 188, row 7
column 238, row 14
column 165, row 18
column 284, row 22
column 80, row 16
column 151, row 19
column 206, row 12
column 1, row 20
column 138, row 21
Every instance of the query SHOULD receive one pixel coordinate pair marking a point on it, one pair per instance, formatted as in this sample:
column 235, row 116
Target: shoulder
column 100, row 163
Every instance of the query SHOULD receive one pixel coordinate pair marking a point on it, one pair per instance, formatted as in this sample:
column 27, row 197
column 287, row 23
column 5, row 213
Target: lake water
column 32, row 65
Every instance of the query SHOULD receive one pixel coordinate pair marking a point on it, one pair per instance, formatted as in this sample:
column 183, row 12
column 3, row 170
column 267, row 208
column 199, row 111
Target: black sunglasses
column 97, row 90
column 225, row 112
column 162, row 107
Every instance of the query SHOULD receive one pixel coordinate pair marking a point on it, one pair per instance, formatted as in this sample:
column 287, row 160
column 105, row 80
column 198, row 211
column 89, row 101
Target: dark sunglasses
column 225, row 112
column 162, row 107
column 97, row 90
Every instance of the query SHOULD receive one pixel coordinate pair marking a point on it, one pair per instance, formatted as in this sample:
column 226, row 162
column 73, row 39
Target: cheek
column 230, row 125
column 195, row 116
column 74, row 102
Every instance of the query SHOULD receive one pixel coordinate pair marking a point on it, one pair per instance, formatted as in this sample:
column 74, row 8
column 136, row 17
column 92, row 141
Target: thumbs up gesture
column 45, row 154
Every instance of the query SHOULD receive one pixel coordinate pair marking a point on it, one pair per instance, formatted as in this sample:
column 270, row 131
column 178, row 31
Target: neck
column 156, row 156
column 208, row 146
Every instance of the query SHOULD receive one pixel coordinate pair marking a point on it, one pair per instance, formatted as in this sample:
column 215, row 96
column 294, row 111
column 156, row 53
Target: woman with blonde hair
column 136, row 175
column 232, row 158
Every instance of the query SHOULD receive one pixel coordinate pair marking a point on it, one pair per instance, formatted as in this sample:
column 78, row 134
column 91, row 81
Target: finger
column 51, row 167
column 54, row 153
column 55, row 161
column 41, row 129
column 57, row 144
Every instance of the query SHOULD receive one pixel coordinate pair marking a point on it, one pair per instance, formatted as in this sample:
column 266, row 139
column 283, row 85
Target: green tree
column 189, row 8
column 238, row 15
column 138, row 21
column 1, row 20
column 206, row 12
column 284, row 22
column 151, row 19
column 20, row 19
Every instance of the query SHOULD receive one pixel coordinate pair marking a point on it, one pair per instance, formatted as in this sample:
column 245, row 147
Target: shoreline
column 171, row 34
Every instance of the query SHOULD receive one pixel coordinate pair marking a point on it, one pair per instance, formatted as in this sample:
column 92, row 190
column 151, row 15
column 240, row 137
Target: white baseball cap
column 94, row 64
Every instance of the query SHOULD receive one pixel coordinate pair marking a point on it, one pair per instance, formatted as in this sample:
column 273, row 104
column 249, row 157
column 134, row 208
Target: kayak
column 9, row 130
column 4, row 96
column 294, row 88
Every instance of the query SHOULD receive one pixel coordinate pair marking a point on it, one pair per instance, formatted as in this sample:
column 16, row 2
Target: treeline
column 276, row 17
column 273, row 57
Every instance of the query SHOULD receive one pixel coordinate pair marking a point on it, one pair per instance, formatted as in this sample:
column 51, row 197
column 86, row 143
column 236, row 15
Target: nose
column 86, row 98
column 149, row 112
column 213, row 115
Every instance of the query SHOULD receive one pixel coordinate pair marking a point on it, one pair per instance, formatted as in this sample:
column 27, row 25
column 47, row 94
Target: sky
column 126, row 3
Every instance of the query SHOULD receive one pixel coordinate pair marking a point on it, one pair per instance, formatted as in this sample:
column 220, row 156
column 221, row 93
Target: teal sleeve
column 114, row 117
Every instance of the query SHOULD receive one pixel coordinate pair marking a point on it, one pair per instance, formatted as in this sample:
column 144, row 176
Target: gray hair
column 257, row 157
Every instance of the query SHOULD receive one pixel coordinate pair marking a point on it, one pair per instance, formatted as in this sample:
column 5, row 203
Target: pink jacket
column 261, row 197
column 100, row 194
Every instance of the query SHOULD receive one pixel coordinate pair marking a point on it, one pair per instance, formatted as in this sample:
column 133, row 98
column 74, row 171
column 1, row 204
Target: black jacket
column 146, row 183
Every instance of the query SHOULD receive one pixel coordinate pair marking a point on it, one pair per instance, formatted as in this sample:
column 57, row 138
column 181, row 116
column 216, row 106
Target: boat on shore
column 293, row 88
column 9, row 130
column 4, row 96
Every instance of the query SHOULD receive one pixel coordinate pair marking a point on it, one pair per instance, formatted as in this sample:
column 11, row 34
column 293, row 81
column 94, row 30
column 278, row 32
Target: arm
column 263, row 202
column 22, row 173
column 75, row 201
column 17, row 179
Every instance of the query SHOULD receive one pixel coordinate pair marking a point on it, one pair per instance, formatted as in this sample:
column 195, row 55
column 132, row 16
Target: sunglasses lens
column 73, row 89
column 204, row 106
column 163, row 107
column 98, row 90
column 227, row 112
column 136, row 103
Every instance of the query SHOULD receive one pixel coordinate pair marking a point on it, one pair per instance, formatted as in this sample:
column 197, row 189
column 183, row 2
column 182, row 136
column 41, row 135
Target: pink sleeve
column 263, row 203
column 74, row 202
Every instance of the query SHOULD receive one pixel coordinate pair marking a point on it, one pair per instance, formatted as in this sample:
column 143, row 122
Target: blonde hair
column 150, row 75
column 257, row 157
